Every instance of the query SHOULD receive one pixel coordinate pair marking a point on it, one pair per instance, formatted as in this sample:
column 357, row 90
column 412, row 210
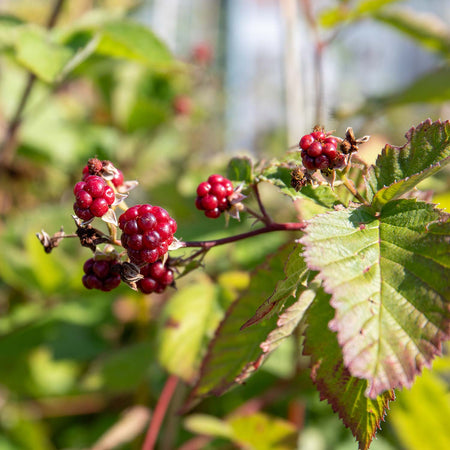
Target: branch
column 270, row 227
column 160, row 412
column 9, row 144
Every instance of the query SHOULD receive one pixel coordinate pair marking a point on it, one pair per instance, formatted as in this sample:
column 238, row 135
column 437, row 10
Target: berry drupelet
column 212, row 196
column 147, row 232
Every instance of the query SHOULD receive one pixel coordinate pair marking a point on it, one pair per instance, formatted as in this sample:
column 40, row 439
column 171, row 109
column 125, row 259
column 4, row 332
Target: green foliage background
column 74, row 363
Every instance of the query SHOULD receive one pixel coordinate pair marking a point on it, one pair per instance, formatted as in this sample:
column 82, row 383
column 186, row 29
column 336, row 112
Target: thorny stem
column 268, row 228
column 8, row 146
column 160, row 412
column 351, row 187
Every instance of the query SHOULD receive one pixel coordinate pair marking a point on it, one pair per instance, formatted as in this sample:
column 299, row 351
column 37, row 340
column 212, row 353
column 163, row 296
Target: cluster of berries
column 212, row 196
column 147, row 232
column 319, row 151
column 101, row 274
column 157, row 277
column 93, row 197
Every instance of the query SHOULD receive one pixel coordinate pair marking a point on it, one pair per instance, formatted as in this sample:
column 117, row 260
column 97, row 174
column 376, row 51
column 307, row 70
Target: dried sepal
column 127, row 186
column 110, row 217
column 130, row 274
column 50, row 242
column 89, row 236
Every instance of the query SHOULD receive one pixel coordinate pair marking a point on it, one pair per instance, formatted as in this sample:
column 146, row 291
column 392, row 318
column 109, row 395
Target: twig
column 9, row 144
column 270, row 227
column 351, row 187
column 266, row 216
column 160, row 412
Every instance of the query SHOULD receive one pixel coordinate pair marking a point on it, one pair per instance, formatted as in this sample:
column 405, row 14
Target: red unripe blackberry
column 147, row 232
column 306, row 141
column 101, row 274
column 212, row 195
column 157, row 277
column 93, row 197
column 315, row 149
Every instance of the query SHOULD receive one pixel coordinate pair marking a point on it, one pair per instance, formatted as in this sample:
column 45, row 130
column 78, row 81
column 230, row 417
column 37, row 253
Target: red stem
column 160, row 412
column 290, row 226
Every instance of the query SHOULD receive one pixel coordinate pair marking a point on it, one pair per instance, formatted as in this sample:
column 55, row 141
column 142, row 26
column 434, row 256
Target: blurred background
column 82, row 369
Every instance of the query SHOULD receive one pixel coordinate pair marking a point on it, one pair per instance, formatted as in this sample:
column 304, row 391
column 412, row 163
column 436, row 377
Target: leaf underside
column 398, row 170
column 234, row 354
column 388, row 276
column 345, row 393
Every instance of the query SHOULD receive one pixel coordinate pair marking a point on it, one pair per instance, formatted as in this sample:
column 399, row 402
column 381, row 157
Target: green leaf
column 240, row 168
column 263, row 432
column 344, row 392
column 280, row 176
column 342, row 13
column 9, row 25
column 184, row 324
column 207, row 425
column 37, row 53
column 133, row 41
column 295, row 271
column 388, row 274
column 425, row 28
column 233, row 352
column 398, row 170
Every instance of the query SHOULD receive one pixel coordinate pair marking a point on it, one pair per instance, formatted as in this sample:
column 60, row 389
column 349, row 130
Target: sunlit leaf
column 344, row 392
column 240, row 169
column 425, row 28
column 37, row 53
column 261, row 431
column 184, row 324
column 388, row 274
column 399, row 169
column 131, row 40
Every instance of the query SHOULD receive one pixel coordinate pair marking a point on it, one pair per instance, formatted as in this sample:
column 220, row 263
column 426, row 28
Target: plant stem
column 267, row 218
column 351, row 187
column 9, row 144
column 160, row 412
column 270, row 227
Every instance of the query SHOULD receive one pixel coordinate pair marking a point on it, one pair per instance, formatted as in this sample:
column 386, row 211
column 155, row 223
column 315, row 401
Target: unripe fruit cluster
column 212, row 196
column 147, row 232
column 157, row 277
column 319, row 151
column 93, row 197
column 102, row 274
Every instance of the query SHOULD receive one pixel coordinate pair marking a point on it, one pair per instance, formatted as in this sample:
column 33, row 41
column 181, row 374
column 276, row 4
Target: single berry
column 212, row 195
column 318, row 135
column 117, row 179
column 339, row 161
column 99, row 207
column 308, row 162
column 315, row 149
column 329, row 150
column 101, row 274
column 331, row 140
column 306, row 141
column 147, row 232
column 322, row 162
column 109, row 195
column 95, row 186
column 157, row 277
